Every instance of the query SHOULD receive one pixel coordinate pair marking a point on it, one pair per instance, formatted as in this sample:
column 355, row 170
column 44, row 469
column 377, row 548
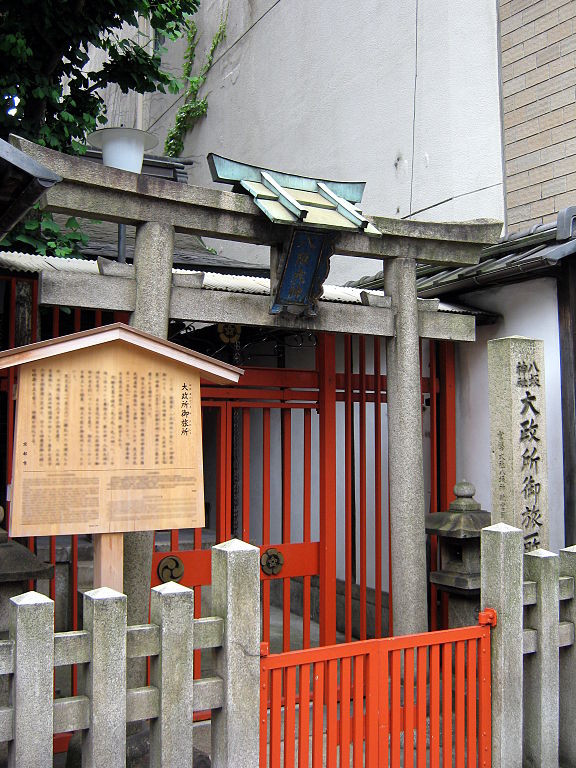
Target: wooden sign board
column 108, row 439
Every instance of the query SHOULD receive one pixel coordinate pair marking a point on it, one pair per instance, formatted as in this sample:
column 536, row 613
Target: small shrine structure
column 153, row 294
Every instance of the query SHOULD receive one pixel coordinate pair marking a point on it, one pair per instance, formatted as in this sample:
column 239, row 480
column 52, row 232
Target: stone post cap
column 30, row 598
column 171, row 588
column 236, row 545
column 103, row 593
column 501, row 528
column 541, row 553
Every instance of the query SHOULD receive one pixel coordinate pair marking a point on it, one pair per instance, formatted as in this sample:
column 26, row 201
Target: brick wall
column 538, row 43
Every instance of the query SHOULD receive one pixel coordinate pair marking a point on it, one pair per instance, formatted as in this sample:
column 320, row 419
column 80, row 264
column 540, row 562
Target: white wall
column 529, row 309
column 403, row 95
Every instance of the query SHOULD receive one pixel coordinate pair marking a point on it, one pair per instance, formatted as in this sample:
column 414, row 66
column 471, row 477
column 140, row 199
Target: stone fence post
column 104, row 680
column 236, row 599
column 32, row 632
column 502, row 548
column 567, row 674
column 541, row 668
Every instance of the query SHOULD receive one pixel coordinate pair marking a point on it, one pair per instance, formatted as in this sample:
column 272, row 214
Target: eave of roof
column 208, row 367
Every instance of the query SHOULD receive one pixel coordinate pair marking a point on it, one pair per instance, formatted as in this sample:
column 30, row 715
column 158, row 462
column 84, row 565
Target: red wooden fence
column 413, row 701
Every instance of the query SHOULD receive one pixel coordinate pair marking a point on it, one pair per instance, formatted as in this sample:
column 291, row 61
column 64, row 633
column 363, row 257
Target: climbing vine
column 193, row 108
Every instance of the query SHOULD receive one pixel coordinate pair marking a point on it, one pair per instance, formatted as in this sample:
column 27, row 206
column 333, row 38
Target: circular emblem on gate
column 170, row 568
column 272, row 561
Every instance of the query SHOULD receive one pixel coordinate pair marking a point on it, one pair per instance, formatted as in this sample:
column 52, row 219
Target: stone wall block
column 104, row 680
column 541, row 668
column 567, row 736
column 172, row 672
column 236, row 598
column 31, row 692
column 501, row 589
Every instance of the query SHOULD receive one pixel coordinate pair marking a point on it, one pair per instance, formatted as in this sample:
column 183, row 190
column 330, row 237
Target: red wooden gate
column 413, row 701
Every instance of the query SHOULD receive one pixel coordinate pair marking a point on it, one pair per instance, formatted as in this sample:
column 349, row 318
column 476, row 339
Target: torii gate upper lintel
column 158, row 208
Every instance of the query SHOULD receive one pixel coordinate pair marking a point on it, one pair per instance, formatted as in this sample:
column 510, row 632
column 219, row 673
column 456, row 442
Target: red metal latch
column 264, row 650
column 488, row 617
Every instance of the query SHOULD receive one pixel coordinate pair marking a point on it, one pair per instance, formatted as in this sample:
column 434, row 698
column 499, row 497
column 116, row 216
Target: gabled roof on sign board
column 209, row 368
column 287, row 198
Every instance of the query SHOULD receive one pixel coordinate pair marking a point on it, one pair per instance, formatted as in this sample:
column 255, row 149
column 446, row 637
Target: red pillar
column 447, row 419
column 326, row 366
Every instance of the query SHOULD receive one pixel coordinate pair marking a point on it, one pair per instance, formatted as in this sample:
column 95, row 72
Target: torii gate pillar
column 406, row 474
column 153, row 257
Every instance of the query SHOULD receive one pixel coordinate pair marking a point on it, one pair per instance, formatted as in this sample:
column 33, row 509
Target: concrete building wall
column 402, row 95
column 538, row 41
column 528, row 309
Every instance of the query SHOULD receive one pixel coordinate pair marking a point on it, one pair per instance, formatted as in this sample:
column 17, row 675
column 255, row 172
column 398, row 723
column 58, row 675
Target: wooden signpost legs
column 109, row 560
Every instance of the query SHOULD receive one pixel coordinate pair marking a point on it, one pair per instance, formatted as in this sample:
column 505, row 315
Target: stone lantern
column 458, row 531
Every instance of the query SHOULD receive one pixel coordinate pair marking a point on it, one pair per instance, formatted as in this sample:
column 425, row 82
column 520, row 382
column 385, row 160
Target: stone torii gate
column 159, row 208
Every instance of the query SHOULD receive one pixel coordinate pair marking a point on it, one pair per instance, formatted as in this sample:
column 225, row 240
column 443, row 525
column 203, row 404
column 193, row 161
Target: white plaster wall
column 529, row 309
column 401, row 95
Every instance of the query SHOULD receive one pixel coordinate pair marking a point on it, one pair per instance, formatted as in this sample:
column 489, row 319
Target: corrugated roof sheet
column 212, row 281
column 33, row 262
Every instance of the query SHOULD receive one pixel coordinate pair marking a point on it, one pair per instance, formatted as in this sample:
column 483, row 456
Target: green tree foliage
column 49, row 90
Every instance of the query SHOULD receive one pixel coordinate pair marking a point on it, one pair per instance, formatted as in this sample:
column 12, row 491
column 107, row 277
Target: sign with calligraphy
column 518, row 437
column 108, row 435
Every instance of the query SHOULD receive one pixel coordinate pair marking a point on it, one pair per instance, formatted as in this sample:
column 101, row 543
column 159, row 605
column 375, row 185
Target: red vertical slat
column 435, row 706
column 409, row 708
column 447, row 419
column 395, row 706
column 11, row 393
column 221, row 473
column 326, row 365
column 264, row 683
column 371, row 717
column 332, row 712
column 484, row 703
column 362, row 402
column 197, row 606
column 306, row 502
column 246, row 475
column 304, row 717
column 275, row 717
column 384, row 708
column 290, row 716
column 433, row 481
column 377, row 491
column 74, row 606
column 286, row 510
column 471, row 701
column 459, row 702
column 266, row 518
column 345, row 713
column 446, row 436
column 421, row 704
column 348, row 459
column 318, row 716
column 358, row 721
column 228, row 475
column 53, row 562
column 35, row 334
column 447, row 705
